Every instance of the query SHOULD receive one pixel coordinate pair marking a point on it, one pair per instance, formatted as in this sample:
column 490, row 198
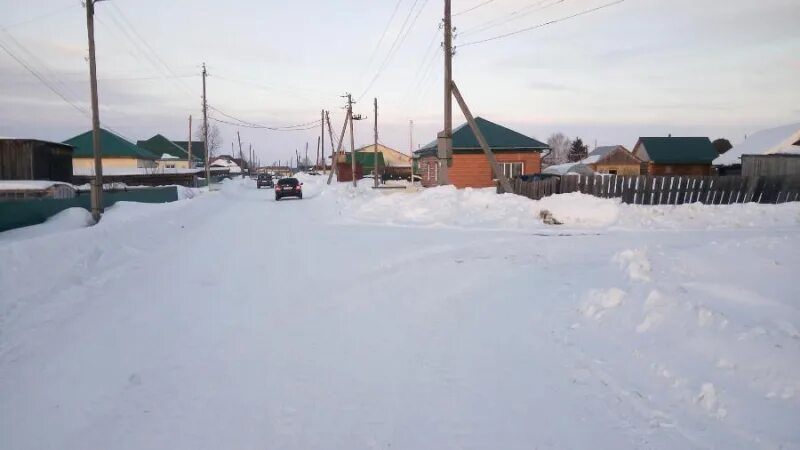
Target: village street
column 234, row 321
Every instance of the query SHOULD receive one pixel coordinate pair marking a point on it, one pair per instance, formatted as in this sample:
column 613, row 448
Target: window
column 170, row 166
column 612, row 171
column 513, row 169
column 432, row 171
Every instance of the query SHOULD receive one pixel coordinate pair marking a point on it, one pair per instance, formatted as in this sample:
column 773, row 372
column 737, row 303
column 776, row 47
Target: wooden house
column 516, row 154
column 35, row 159
column 766, row 152
column 116, row 153
column 613, row 160
column 365, row 165
column 675, row 155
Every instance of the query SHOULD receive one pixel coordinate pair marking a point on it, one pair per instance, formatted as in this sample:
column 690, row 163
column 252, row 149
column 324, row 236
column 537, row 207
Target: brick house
column 675, row 155
column 516, row 153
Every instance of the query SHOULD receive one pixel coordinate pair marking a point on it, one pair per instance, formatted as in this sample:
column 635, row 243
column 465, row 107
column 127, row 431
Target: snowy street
column 356, row 319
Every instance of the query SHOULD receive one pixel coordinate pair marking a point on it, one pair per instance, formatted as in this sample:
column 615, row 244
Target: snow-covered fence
column 668, row 190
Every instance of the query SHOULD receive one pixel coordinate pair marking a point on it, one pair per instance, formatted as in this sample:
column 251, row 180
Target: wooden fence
column 668, row 190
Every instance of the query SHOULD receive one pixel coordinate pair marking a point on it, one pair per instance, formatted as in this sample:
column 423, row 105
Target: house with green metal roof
column 171, row 155
column 516, row 153
column 675, row 155
column 365, row 164
column 116, row 152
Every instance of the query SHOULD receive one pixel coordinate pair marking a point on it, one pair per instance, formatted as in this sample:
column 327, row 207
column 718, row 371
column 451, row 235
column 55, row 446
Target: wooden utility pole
column 305, row 161
column 375, row 148
column 352, row 139
column 316, row 164
column 189, row 144
column 97, row 181
column 322, row 138
column 338, row 148
column 411, row 148
column 445, row 141
column 498, row 174
column 250, row 163
column 205, row 130
column 241, row 156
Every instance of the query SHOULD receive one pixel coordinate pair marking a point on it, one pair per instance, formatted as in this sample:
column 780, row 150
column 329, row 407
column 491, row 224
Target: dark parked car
column 264, row 180
column 288, row 187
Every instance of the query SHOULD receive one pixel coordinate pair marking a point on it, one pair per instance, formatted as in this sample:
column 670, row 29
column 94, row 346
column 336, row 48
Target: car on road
column 264, row 180
column 288, row 187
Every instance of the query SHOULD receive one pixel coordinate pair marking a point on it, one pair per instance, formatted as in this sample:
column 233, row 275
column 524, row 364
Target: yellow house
column 116, row 153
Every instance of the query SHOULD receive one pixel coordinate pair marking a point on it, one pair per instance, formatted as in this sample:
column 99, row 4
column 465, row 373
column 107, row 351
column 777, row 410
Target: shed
column 614, row 160
column 675, row 155
column 35, row 159
column 783, row 140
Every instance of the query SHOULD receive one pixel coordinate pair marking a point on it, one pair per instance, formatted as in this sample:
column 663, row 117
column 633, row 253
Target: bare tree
column 559, row 149
column 214, row 138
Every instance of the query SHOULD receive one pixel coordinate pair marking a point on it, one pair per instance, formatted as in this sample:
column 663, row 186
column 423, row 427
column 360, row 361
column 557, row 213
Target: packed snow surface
column 359, row 318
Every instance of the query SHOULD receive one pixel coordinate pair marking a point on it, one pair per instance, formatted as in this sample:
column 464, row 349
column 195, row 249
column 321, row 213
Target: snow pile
column 68, row 219
column 33, row 185
column 448, row 206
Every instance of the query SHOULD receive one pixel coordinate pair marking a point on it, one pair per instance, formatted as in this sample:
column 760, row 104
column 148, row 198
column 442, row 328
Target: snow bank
column 448, row 206
column 68, row 219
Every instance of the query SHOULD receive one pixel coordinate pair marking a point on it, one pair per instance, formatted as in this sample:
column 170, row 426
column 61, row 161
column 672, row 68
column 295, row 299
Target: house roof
column 785, row 139
column 60, row 144
column 604, row 153
column 160, row 145
column 567, row 168
column 678, row 150
column 366, row 159
column 111, row 145
column 497, row 136
column 198, row 147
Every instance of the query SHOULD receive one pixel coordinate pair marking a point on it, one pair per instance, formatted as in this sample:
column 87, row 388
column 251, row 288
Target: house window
column 170, row 166
column 433, row 172
column 612, row 171
column 513, row 169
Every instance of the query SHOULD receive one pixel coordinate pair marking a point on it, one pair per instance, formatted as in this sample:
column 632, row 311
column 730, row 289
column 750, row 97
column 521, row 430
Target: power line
column 402, row 34
column 541, row 25
column 514, row 15
column 39, row 17
column 247, row 124
column 313, row 127
column 484, row 3
column 383, row 34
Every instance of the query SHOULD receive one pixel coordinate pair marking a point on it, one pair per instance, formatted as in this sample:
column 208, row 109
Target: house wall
column 621, row 169
column 473, row 170
column 678, row 169
column 88, row 163
column 174, row 163
column 765, row 165
column 22, row 159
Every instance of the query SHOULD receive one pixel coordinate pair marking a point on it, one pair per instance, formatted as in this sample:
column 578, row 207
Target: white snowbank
column 68, row 219
column 36, row 185
column 447, row 206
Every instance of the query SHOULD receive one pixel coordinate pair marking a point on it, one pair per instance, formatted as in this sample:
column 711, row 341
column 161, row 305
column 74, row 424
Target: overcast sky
column 717, row 68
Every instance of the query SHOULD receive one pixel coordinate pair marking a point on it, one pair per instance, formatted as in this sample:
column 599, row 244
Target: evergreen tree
column 578, row 150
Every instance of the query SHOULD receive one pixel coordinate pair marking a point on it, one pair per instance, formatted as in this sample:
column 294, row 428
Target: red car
column 288, row 187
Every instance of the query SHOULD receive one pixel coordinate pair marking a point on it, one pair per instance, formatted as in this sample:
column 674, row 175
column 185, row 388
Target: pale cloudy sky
column 642, row 67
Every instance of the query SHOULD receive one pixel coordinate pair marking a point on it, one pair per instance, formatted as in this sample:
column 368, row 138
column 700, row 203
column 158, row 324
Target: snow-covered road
column 232, row 321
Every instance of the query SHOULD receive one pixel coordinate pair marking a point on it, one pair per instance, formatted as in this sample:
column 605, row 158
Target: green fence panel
column 22, row 213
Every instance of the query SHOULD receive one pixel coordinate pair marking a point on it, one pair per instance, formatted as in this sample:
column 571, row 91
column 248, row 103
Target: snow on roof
column 591, row 159
column 28, row 185
column 765, row 142
column 10, row 138
column 168, row 156
column 564, row 169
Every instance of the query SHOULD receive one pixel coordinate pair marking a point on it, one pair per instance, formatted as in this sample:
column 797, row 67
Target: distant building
column 171, row 155
column 675, row 155
column 117, row 153
column 568, row 169
column 614, row 160
column 396, row 164
column 516, row 154
column 365, row 165
column 35, row 159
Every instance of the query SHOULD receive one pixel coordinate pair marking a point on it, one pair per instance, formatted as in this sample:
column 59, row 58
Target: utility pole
column 322, row 139
column 189, row 144
column 97, row 181
column 338, row 148
column 316, row 163
column 445, row 142
column 305, row 161
column 205, row 130
column 250, row 163
column 375, row 148
column 352, row 139
column 411, row 148
column 241, row 157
